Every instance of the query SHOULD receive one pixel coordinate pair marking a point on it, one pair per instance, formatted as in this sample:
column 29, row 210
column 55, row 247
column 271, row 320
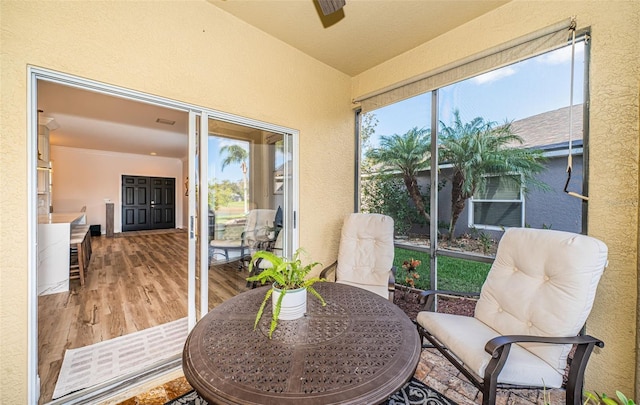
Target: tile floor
column 162, row 394
column 436, row 371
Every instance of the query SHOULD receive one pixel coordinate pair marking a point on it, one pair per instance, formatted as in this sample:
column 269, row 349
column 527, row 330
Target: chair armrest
column 328, row 269
column 499, row 348
column 392, row 278
column 391, row 286
column 494, row 346
column 428, row 296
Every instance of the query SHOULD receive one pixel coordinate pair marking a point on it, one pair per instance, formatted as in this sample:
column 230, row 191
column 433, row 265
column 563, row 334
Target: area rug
column 100, row 362
column 415, row 392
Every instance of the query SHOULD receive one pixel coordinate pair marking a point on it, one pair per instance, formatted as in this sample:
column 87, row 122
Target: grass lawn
column 235, row 209
column 453, row 274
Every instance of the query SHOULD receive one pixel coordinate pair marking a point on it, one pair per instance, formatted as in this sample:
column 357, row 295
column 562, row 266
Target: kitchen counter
column 62, row 217
column 54, row 238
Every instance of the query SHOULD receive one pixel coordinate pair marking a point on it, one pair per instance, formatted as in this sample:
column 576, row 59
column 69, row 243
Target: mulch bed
column 409, row 301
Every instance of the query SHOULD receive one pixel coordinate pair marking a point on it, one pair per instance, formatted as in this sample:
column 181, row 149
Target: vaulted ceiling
column 364, row 33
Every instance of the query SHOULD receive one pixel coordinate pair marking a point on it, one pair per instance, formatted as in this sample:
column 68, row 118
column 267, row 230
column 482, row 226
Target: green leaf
column 591, row 398
column 317, row 295
column 276, row 313
column 261, row 310
column 624, row 399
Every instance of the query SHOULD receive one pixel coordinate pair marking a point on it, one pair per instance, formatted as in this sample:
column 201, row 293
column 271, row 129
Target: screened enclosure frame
column 544, row 41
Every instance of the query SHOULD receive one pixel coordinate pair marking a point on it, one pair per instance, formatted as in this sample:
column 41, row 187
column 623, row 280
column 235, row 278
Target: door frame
column 34, row 75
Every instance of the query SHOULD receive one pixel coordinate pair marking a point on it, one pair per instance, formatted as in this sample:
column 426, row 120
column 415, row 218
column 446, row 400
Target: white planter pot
column 294, row 303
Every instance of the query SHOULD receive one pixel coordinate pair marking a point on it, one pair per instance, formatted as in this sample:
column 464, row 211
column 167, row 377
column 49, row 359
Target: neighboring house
column 502, row 205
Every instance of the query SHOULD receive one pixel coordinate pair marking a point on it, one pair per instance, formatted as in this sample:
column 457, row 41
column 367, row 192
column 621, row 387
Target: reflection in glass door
column 249, row 202
column 290, row 190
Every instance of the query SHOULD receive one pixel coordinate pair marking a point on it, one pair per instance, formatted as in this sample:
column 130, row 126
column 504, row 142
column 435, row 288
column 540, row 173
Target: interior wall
column 613, row 166
column 88, row 177
column 187, row 51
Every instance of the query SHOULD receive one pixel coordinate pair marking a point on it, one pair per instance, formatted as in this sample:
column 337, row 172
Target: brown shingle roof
column 548, row 128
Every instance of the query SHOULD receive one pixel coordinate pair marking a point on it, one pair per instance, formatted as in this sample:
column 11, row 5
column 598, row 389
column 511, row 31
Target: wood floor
column 135, row 281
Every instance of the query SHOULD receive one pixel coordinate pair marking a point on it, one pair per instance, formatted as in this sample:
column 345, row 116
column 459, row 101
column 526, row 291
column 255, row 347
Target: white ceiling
column 360, row 36
column 90, row 120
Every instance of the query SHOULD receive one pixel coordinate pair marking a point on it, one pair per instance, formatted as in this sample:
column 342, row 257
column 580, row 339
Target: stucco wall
column 189, row 51
column 613, row 166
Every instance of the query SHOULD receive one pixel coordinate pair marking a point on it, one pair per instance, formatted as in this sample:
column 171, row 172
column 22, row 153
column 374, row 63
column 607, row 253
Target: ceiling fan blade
column 330, row 6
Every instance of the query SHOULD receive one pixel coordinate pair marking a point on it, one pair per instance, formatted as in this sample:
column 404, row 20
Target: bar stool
column 80, row 252
column 86, row 231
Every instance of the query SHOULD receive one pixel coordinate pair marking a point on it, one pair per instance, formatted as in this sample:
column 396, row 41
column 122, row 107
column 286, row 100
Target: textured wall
column 613, row 183
column 188, row 51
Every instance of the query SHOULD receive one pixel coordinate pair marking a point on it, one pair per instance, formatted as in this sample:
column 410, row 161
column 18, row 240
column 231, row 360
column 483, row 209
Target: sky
column 513, row 92
column 527, row 88
column 231, row 172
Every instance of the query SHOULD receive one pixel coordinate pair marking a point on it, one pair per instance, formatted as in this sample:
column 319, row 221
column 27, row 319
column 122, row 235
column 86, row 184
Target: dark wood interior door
column 163, row 206
column 147, row 203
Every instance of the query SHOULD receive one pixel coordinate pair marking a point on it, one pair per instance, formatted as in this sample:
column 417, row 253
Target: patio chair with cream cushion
column 532, row 308
column 258, row 228
column 365, row 254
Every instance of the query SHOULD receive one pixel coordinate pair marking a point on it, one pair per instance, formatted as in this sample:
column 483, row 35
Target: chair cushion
column 259, row 224
column 466, row 338
column 223, row 243
column 382, row 291
column 542, row 283
column 365, row 255
column 233, row 231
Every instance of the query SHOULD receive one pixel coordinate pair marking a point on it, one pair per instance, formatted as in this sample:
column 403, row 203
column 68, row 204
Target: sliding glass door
column 246, row 173
column 178, row 278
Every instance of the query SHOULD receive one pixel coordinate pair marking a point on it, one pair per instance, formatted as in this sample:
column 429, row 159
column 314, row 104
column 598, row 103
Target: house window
column 499, row 204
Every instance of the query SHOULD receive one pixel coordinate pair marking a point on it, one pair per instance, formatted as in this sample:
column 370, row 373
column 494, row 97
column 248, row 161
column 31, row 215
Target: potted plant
column 288, row 278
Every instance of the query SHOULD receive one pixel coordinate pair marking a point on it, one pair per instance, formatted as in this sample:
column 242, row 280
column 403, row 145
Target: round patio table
column 358, row 349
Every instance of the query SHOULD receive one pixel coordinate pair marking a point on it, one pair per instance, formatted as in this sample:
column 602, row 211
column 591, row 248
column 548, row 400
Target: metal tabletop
column 358, row 349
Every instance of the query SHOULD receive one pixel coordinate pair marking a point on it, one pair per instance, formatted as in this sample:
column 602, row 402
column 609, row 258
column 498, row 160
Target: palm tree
column 409, row 153
column 478, row 148
column 237, row 154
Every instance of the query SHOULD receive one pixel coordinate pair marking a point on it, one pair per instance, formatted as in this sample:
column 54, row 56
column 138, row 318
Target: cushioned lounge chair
column 365, row 255
column 531, row 310
column 258, row 228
